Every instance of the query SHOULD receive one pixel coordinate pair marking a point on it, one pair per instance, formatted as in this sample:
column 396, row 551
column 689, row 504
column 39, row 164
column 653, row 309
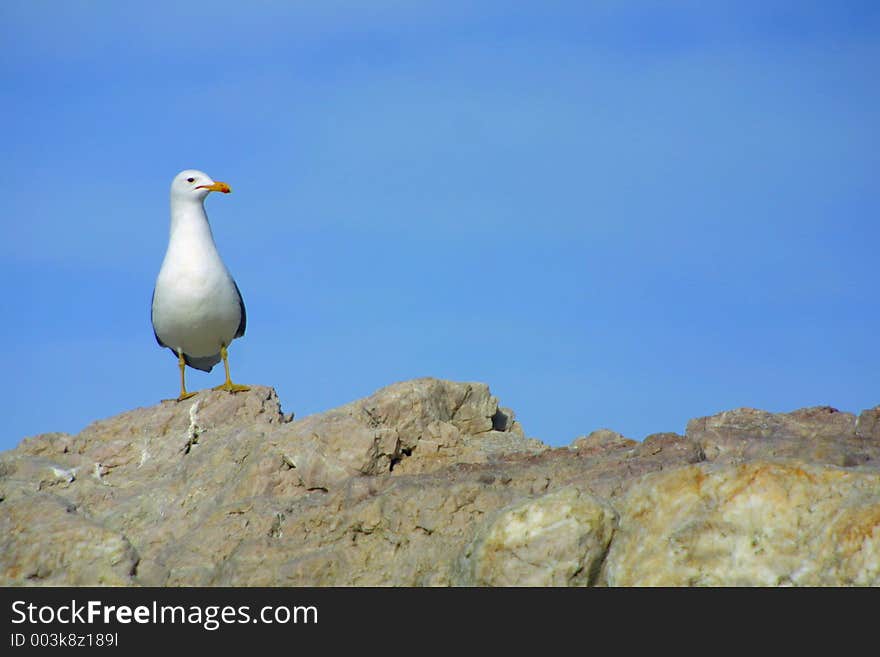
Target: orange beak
column 216, row 187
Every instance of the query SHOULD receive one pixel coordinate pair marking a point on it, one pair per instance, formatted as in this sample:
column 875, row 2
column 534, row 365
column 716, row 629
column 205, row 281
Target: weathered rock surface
column 817, row 435
column 431, row 482
column 558, row 539
column 761, row 523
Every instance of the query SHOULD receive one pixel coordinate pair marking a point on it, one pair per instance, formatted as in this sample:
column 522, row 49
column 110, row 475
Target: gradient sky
column 616, row 214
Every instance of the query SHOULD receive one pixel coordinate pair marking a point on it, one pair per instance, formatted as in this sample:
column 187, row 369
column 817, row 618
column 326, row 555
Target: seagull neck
column 189, row 217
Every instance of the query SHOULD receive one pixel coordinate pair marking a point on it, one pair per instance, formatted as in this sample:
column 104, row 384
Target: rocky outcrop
column 821, row 435
column 557, row 539
column 431, row 482
column 755, row 524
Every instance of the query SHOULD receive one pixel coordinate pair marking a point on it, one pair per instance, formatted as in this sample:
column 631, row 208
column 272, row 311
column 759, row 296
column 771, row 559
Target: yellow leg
column 182, row 363
column 229, row 385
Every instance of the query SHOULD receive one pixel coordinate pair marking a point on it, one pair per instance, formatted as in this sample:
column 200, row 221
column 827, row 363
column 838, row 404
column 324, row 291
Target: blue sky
column 618, row 215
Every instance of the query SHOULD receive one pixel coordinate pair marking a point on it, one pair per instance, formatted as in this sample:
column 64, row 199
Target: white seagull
column 197, row 308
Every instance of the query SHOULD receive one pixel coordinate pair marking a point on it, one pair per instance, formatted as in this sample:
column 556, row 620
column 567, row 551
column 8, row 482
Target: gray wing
column 243, row 323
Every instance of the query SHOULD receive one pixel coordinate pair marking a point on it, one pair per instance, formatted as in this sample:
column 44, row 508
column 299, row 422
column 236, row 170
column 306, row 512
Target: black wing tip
column 242, row 325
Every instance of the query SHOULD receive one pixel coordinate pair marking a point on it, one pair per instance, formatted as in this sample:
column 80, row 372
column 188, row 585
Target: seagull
column 197, row 309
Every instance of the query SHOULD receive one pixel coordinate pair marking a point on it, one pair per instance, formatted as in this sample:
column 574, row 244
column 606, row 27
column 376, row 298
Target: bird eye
column 189, row 180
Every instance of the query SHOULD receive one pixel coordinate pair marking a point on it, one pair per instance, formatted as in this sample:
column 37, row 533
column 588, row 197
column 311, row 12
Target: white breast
column 195, row 305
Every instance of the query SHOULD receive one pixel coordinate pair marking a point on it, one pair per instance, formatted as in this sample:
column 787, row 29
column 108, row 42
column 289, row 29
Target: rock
column 868, row 425
column 413, row 426
column 671, row 443
column 190, row 482
column 601, row 440
column 818, row 435
column 47, row 542
column 754, row 524
column 558, row 539
column 405, row 531
column 434, row 483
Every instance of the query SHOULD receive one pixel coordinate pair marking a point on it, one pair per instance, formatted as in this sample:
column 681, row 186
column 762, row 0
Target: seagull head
column 196, row 185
